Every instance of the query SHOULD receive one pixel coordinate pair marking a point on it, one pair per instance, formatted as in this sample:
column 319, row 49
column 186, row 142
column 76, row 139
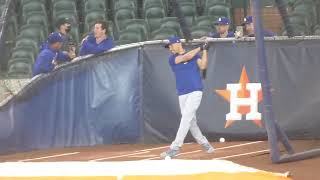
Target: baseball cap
column 247, row 20
column 55, row 37
column 222, row 21
column 63, row 21
column 173, row 40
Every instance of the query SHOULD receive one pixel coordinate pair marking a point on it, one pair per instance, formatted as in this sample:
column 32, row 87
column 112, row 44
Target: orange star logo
column 243, row 93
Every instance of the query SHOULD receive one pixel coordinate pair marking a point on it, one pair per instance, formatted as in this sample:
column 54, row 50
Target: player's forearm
column 204, row 60
column 188, row 56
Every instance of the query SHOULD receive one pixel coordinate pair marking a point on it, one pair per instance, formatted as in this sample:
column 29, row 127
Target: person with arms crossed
column 97, row 42
column 186, row 67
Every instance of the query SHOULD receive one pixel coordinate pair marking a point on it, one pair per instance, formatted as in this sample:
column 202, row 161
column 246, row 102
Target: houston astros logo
column 244, row 98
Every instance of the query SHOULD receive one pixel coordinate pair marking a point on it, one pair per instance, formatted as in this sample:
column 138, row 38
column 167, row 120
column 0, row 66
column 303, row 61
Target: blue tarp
column 84, row 104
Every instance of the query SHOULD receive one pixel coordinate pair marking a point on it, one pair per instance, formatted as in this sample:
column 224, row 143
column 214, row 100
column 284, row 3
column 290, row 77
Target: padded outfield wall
column 128, row 96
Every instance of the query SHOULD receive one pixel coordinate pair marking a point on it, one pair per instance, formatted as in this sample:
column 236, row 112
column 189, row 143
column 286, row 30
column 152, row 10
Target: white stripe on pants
column 189, row 104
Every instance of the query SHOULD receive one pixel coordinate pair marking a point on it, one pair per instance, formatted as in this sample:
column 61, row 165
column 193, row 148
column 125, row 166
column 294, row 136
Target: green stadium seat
column 27, row 42
column 154, row 11
column 22, row 53
column 307, row 10
column 36, row 1
column 189, row 11
column 64, row 5
column 33, row 7
column 130, row 35
column 122, row 16
column 210, row 3
column 218, row 10
column 200, row 31
column 163, row 33
column 20, row 69
column 33, row 31
column 203, row 21
column 172, row 23
column 124, row 4
column 91, row 5
column 153, row 15
column 55, row 1
column 139, row 24
column 36, row 18
column 150, row 3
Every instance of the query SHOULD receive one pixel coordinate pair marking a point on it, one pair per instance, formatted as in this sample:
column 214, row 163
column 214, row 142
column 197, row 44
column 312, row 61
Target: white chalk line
column 47, row 157
column 227, row 147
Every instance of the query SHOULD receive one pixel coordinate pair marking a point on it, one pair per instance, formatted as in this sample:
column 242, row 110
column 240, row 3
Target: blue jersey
column 44, row 61
column 62, row 56
column 217, row 35
column 187, row 74
column 90, row 46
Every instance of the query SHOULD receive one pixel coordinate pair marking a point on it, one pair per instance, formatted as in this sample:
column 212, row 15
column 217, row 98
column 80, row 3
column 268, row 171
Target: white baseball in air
column 167, row 158
column 222, row 140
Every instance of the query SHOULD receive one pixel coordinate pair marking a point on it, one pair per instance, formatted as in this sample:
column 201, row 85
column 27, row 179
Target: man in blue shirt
column 98, row 42
column 249, row 28
column 186, row 66
column 47, row 59
column 223, row 25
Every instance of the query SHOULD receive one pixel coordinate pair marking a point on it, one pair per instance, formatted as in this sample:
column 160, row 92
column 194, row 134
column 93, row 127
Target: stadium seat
column 210, row 3
column 33, row 7
column 122, row 16
column 130, row 35
column 19, row 69
column 172, row 23
column 36, row 18
column 55, row 1
column 153, row 15
column 64, row 5
column 139, row 24
column 32, row 31
column 150, row 3
column 26, row 42
column 163, row 33
column 189, row 11
column 204, row 21
column 200, row 31
column 218, row 10
column 91, row 5
column 36, row 1
column 127, row 4
column 23, row 53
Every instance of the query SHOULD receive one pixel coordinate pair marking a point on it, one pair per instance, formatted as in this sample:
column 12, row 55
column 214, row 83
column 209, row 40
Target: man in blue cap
column 186, row 66
column 47, row 59
column 223, row 25
column 249, row 28
column 98, row 42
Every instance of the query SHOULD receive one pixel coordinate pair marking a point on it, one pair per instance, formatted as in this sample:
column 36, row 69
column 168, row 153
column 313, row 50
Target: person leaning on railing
column 248, row 25
column 97, row 42
column 47, row 58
